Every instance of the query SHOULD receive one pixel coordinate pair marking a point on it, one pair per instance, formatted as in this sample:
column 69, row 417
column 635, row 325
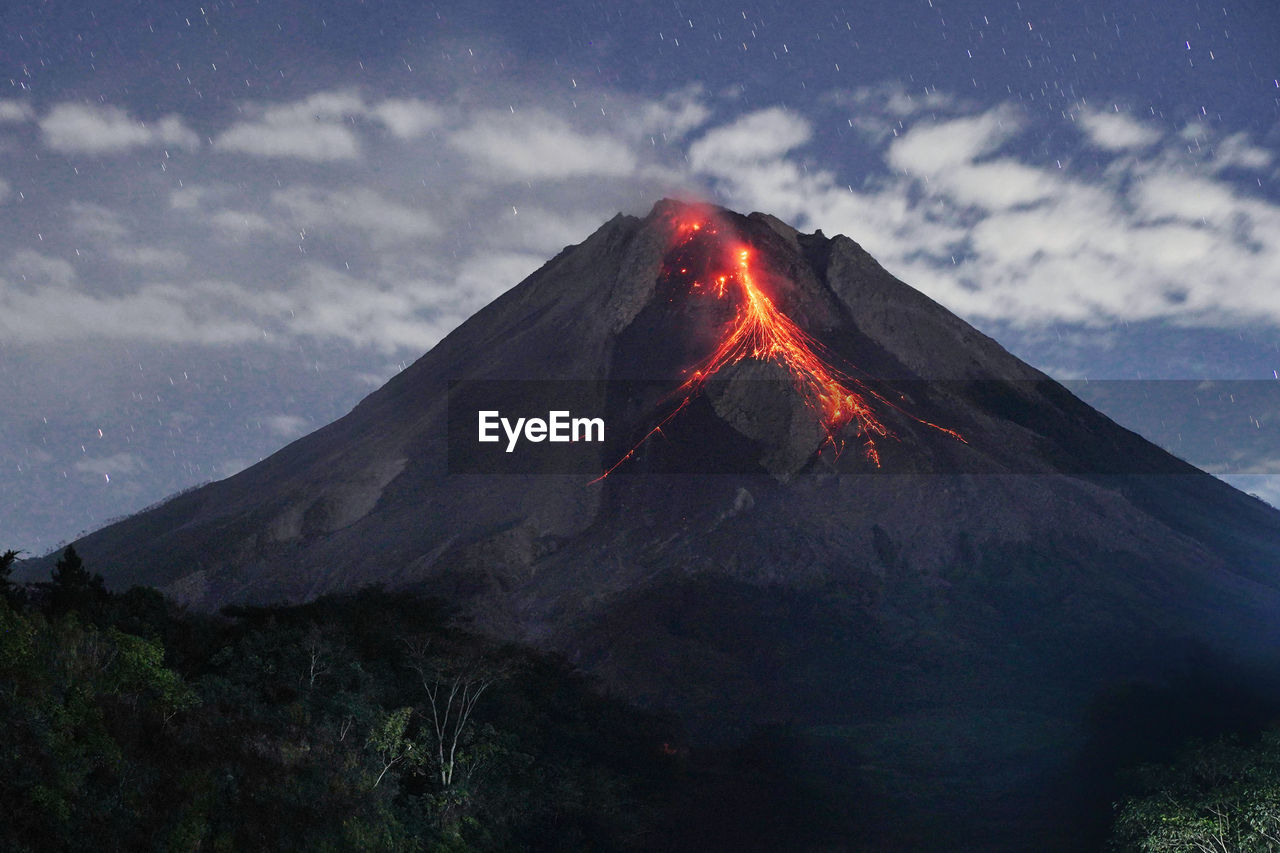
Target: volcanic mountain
column 830, row 505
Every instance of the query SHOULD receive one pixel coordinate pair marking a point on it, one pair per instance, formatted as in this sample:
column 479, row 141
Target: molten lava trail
column 760, row 331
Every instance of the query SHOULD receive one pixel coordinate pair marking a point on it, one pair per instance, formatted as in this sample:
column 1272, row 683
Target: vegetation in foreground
column 368, row 722
column 353, row 723
column 1217, row 796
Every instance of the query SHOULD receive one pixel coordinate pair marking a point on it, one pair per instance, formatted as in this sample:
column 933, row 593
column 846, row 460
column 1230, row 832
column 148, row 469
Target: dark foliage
column 133, row 725
column 1219, row 796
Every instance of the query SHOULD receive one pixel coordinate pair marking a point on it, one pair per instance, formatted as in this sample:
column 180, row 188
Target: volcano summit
column 822, row 502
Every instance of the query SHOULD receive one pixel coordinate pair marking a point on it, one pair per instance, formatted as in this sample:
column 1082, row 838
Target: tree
column 318, row 656
column 8, row 591
column 1217, row 797
column 453, row 686
column 79, row 706
column 73, row 587
column 391, row 744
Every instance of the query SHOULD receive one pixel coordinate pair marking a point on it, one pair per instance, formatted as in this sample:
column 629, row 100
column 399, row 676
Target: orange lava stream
column 760, row 331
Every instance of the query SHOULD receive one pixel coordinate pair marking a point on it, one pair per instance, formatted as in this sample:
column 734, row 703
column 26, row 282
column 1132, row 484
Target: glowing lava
column 760, row 331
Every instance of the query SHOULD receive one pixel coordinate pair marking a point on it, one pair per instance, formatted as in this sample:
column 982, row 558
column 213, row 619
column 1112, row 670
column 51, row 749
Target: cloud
column 676, row 114
column 150, row 257
column 315, row 129
column 94, row 220
column 1116, row 131
column 323, row 127
column 385, row 315
column 388, row 311
column 187, row 198
column 6, row 189
column 208, row 313
column 955, row 205
column 408, row 118
column 483, row 277
column 392, row 310
column 36, row 268
column 1236, row 151
column 117, row 463
column 15, row 111
column 891, row 99
column 997, row 237
column 84, row 129
column 929, row 149
column 995, row 185
column 538, row 145
column 240, row 225
column 1171, row 195
column 171, row 131
column 384, row 220
column 546, row 230
column 304, row 139
column 1262, row 486
column 286, row 426
column 761, row 135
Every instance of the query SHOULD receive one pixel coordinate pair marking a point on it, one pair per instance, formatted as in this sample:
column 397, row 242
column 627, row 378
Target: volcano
column 822, row 505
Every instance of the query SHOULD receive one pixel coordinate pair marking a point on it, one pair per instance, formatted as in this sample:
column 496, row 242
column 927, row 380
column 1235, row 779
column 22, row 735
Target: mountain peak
column 829, row 502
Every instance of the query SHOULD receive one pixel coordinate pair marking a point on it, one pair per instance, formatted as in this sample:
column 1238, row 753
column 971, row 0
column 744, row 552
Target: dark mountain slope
column 935, row 630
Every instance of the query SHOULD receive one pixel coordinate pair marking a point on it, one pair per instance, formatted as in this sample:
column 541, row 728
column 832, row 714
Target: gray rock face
column 945, row 620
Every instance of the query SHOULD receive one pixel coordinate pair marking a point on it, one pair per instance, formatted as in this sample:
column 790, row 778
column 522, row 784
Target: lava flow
column 759, row 330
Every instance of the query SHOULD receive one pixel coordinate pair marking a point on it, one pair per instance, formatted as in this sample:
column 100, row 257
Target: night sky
column 224, row 223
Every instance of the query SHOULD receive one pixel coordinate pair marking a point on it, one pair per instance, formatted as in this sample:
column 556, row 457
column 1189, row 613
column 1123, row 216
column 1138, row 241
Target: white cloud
column 1236, row 151
column 334, row 105
column 1265, row 487
column 676, row 114
column 85, row 129
column 546, row 230
column 117, row 463
column 540, row 146
column 150, row 257
column 1117, row 131
column 187, row 198
column 760, row 135
column 306, row 139
column 15, row 111
column 79, row 128
column 171, row 131
column 995, row 185
column 892, row 99
column 484, row 277
column 34, row 267
column 387, row 311
column 384, row 220
column 323, row 127
column 388, row 316
column 315, row 129
column 209, row 313
column 1168, row 194
column 408, row 118
column 392, row 311
column 6, row 189
column 242, row 224
column 286, row 426
column 953, row 209
column 94, row 220
column 1031, row 244
column 928, row 149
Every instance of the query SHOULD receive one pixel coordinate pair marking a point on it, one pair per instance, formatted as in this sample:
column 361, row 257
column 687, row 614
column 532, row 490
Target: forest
column 371, row 722
column 358, row 722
